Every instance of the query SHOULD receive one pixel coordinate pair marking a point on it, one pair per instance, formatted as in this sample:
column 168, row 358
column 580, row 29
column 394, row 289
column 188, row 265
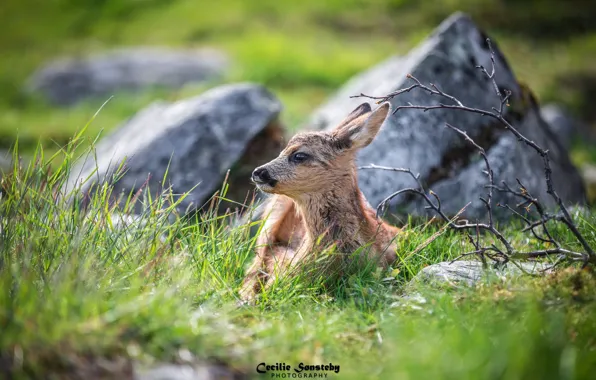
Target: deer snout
column 261, row 176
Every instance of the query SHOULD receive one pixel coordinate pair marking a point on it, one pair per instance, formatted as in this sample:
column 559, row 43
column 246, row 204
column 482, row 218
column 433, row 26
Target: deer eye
column 299, row 157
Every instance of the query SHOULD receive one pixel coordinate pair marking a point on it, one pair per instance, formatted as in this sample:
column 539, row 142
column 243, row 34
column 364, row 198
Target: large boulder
column 197, row 140
column 69, row 80
column 420, row 141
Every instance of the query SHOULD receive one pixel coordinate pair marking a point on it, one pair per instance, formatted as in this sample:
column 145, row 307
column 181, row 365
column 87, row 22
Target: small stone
column 471, row 272
column 589, row 176
column 166, row 371
column 562, row 123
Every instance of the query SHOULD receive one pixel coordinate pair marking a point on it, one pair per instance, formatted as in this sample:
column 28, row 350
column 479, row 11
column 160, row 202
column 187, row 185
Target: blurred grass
column 302, row 50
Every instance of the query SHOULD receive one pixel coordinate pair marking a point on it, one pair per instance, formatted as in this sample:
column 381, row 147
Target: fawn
column 316, row 202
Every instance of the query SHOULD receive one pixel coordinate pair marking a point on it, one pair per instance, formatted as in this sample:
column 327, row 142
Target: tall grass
column 83, row 279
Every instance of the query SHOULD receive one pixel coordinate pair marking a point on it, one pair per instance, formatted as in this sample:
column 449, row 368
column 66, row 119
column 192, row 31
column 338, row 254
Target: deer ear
column 362, row 130
column 361, row 110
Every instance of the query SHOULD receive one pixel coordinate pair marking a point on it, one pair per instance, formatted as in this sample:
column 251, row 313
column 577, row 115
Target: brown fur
column 317, row 202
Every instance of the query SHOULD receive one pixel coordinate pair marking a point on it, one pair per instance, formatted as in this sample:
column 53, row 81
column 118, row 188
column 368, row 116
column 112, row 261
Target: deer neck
column 335, row 215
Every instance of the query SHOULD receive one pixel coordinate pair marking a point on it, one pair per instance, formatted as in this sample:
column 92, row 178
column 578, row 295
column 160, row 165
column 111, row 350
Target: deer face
column 313, row 162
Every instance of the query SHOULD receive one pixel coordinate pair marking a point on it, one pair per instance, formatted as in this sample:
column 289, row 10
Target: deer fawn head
column 313, row 162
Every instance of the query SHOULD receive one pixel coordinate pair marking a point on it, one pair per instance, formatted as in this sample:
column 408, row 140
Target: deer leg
column 254, row 280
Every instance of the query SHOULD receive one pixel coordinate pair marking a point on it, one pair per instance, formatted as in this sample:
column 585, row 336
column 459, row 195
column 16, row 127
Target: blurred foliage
column 302, row 50
column 537, row 19
column 580, row 88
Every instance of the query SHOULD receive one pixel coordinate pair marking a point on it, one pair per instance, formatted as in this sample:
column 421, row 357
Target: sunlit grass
column 78, row 282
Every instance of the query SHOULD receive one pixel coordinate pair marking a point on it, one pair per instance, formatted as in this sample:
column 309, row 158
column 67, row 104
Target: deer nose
column 261, row 175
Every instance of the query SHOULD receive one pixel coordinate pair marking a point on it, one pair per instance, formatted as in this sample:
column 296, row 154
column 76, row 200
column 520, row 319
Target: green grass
column 75, row 288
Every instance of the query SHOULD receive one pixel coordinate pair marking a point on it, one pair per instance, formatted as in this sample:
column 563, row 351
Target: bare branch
column 493, row 252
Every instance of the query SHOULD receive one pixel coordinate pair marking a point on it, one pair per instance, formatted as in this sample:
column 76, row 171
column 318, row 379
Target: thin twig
column 493, row 252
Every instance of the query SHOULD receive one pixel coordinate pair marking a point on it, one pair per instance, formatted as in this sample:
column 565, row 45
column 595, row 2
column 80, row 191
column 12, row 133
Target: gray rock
column 420, row 141
column 124, row 221
column 134, row 226
column 170, row 372
column 589, row 177
column 414, row 301
column 69, row 80
column 5, row 161
column 230, row 127
column 562, row 123
column 187, row 372
column 470, row 272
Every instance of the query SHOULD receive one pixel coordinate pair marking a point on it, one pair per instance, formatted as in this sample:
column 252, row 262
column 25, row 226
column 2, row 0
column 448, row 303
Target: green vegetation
column 76, row 287
column 302, row 50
